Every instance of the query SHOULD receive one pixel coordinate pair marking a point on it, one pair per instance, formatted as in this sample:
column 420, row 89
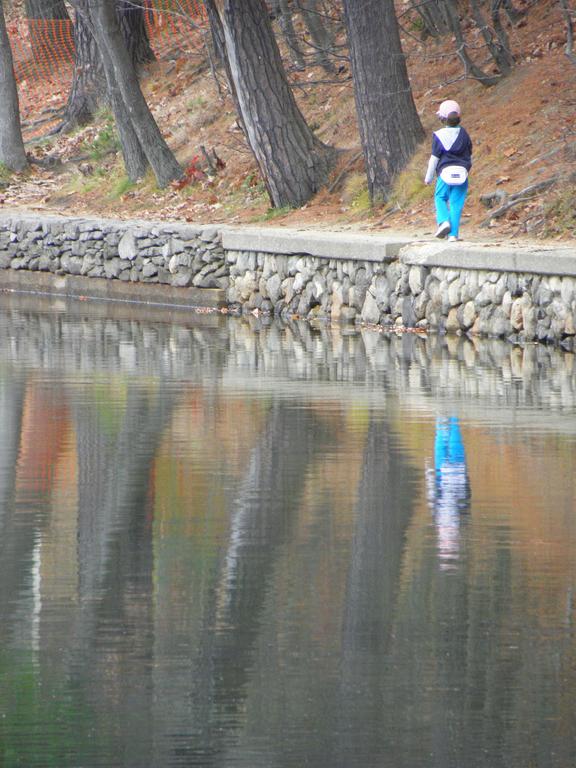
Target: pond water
column 231, row 543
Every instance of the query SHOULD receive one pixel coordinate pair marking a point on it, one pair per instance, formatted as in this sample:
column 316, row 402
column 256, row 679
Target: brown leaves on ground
column 519, row 127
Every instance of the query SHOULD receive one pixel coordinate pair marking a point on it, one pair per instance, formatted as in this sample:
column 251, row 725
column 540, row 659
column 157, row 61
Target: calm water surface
column 231, row 544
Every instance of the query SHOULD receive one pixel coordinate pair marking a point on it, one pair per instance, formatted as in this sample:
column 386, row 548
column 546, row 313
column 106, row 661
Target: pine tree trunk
column 12, row 152
column 286, row 24
column 135, row 161
column 322, row 40
column 43, row 37
column 293, row 162
column 390, row 128
column 499, row 53
column 122, row 72
column 88, row 82
column 513, row 13
column 88, row 87
column 470, row 68
column 132, row 23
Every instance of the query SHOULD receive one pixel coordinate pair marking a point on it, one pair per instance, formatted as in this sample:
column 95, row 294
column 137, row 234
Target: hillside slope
column 524, row 132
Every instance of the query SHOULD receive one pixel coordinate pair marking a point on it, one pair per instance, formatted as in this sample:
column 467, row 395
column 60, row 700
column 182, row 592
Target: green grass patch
column 198, row 102
column 105, row 142
column 122, row 185
column 355, row 193
column 560, row 213
column 5, row 173
column 408, row 189
column 274, row 213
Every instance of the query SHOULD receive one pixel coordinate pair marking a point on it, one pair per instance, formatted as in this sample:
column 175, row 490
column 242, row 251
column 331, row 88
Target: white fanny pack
column 454, row 175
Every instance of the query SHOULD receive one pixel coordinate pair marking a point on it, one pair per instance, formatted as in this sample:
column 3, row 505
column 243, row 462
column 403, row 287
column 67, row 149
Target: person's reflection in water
column 448, row 489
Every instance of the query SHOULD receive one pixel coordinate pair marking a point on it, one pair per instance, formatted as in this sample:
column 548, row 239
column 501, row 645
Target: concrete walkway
column 501, row 256
column 489, row 254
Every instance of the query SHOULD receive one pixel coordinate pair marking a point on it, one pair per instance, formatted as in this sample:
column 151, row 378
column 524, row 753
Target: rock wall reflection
column 233, row 544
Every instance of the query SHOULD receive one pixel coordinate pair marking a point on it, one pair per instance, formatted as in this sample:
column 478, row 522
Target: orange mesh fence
column 43, row 51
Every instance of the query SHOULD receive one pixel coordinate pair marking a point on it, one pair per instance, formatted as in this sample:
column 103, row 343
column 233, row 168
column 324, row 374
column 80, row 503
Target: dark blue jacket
column 460, row 153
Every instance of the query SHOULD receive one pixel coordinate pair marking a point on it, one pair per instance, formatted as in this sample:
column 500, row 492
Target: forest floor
column 523, row 130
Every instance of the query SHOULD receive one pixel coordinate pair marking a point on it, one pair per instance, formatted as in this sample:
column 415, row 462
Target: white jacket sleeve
column 432, row 165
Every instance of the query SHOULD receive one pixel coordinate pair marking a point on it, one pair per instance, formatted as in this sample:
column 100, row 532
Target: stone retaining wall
column 369, row 280
column 168, row 254
column 521, row 307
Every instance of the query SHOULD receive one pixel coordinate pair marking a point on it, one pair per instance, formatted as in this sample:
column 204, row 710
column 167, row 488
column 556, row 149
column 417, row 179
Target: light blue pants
column 449, row 199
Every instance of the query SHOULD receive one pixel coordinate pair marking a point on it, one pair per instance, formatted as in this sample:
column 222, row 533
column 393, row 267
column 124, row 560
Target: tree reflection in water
column 218, row 547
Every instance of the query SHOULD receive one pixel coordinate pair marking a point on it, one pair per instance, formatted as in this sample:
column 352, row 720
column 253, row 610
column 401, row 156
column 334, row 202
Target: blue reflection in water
column 449, row 489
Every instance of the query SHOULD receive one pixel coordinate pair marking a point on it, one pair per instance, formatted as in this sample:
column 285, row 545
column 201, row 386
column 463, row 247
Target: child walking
column 451, row 160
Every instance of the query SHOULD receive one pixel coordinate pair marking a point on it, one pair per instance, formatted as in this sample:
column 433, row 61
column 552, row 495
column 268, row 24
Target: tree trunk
column 88, row 87
column 284, row 15
column 122, row 72
column 12, row 152
column 219, row 38
column 43, row 36
column 135, row 161
column 505, row 51
column 502, row 57
column 322, row 40
column 567, row 13
column 88, row 82
column 513, row 13
column 293, row 162
column 390, row 128
column 470, row 68
column 132, row 24
column 46, row 9
column 432, row 17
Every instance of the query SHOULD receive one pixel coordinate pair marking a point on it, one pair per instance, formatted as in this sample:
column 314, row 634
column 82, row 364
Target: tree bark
column 88, row 82
column 567, row 14
column 431, row 10
column 432, row 18
column 322, row 40
column 132, row 24
column 499, row 48
column 283, row 14
column 470, row 68
column 88, row 87
column 135, row 161
column 390, row 128
column 12, row 152
column 293, row 162
column 513, row 13
column 121, row 71
column 42, row 35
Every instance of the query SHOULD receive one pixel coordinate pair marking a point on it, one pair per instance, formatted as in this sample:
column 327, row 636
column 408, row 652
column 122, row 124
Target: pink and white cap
column 447, row 107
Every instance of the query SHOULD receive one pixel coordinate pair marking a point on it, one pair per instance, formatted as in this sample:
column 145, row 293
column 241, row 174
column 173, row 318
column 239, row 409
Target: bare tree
column 471, row 69
column 43, row 36
column 135, row 122
column 293, row 162
column 390, row 128
column 496, row 39
column 432, row 16
column 12, row 152
column 321, row 38
column 283, row 14
column 88, row 88
column 568, row 14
